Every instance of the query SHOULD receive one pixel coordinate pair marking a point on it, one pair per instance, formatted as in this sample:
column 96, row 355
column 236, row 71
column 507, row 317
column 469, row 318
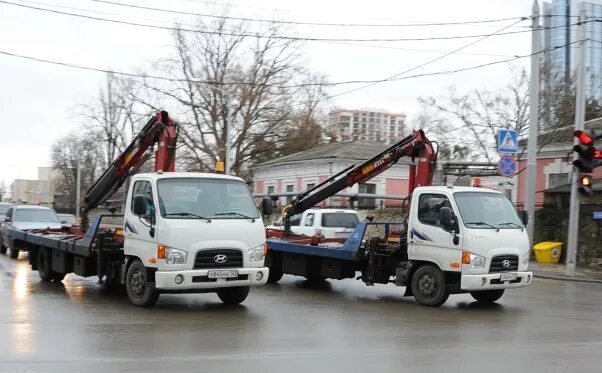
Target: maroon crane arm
column 160, row 130
column 417, row 146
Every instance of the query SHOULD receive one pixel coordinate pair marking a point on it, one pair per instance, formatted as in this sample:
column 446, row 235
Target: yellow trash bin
column 547, row 251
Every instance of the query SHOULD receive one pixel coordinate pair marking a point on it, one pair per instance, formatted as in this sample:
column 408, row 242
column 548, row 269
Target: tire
column 428, row 286
column 274, row 276
column 44, row 270
column 487, row 296
column 233, row 296
column 58, row 277
column 140, row 292
column 14, row 253
column 2, row 249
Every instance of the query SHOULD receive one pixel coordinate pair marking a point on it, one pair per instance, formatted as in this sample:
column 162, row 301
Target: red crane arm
column 417, row 146
column 160, row 130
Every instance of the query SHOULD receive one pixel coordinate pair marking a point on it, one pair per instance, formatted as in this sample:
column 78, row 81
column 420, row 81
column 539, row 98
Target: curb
column 564, row 278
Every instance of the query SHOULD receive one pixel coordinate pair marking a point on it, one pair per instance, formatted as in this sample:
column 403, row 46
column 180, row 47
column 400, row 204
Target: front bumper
column 491, row 281
column 197, row 279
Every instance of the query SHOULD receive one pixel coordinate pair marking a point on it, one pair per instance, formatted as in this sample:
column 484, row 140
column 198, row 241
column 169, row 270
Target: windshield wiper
column 511, row 223
column 235, row 213
column 188, row 214
column 483, row 223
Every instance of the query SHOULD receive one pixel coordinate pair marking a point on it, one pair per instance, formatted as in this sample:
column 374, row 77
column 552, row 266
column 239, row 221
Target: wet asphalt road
column 340, row 326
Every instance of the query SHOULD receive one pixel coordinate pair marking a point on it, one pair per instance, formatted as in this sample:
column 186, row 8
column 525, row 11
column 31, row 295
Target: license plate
column 508, row 276
column 222, row 274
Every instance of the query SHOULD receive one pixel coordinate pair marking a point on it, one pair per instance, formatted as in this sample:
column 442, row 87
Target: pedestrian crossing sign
column 507, row 141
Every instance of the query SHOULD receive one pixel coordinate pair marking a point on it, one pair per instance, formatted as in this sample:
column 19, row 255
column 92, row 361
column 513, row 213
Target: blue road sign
column 507, row 141
column 597, row 215
column 507, row 166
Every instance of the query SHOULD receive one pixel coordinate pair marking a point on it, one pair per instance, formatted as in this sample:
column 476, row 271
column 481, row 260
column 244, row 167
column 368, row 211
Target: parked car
column 67, row 220
column 330, row 223
column 26, row 217
column 3, row 209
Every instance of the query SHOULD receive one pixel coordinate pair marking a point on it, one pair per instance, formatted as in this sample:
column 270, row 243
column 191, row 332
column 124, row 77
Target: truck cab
column 192, row 232
column 473, row 236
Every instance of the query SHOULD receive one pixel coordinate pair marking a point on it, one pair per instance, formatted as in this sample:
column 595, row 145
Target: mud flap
column 408, row 292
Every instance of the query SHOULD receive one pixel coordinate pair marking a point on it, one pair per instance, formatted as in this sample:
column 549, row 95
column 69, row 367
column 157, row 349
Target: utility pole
column 573, row 234
column 228, row 119
column 77, row 192
column 533, row 121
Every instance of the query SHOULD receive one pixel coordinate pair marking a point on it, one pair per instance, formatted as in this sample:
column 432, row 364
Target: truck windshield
column 487, row 211
column 339, row 219
column 209, row 198
column 35, row 216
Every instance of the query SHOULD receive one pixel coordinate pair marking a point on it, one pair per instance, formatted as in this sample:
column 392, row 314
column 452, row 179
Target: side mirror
column 7, row 219
column 445, row 218
column 267, row 206
column 140, row 205
column 524, row 217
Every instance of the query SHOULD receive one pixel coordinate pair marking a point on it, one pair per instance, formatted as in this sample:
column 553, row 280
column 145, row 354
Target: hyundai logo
column 505, row 263
column 220, row 258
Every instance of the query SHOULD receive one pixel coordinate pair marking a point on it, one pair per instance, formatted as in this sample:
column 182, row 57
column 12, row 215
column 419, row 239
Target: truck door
column 140, row 239
column 427, row 239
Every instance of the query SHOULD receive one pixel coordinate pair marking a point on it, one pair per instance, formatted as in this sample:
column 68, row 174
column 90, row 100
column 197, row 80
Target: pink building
column 297, row 172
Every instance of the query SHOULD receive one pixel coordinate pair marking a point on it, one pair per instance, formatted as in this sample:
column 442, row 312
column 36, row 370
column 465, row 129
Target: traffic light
column 585, row 185
column 589, row 157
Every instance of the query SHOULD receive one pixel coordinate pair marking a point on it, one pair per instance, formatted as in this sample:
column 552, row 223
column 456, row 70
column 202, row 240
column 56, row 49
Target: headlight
column 175, row 256
column 524, row 260
column 477, row 261
column 257, row 254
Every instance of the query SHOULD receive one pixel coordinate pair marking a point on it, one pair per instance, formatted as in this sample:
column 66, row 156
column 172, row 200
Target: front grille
column 206, row 259
column 207, row 279
column 498, row 260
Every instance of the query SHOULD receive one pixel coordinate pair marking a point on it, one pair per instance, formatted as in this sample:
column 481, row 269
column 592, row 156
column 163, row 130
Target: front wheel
column 274, row 276
column 2, row 249
column 487, row 296
column 140, row 291
column 428, row 286
column 14, row 253
column 233, row 296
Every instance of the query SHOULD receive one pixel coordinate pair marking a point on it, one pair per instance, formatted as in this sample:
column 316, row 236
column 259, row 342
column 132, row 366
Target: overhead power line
column 282, row 37
column 210, row 82
column 430, row 61
column 263, row 20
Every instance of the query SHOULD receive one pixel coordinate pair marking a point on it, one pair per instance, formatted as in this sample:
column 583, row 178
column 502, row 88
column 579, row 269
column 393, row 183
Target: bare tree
column 112, row 119
column 472, row 120
column 246, row 81
column 73, row 151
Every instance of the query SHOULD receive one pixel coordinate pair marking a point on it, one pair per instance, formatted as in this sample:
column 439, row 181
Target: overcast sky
column 38, row 100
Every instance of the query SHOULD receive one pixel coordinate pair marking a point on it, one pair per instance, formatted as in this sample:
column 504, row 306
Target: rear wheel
column 487, row 296
column 14, row 252
column 428, row 286
column 234, row 295
column 140, row 291
column 274, row 276
column 58, row 277
column 2, row 249
column 44, row 270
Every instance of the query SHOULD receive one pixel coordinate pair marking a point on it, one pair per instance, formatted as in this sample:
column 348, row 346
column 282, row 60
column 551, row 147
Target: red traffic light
column 584, row 137
column 597, row 154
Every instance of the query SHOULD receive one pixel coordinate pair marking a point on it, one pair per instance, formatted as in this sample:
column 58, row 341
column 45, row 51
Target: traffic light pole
column 573, row 233
column 533, row 122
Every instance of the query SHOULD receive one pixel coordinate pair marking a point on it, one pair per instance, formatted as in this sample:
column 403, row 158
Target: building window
column 271, row 189
column 289, row 189
column 310, row 185
column 366, row 202
column 555, row 180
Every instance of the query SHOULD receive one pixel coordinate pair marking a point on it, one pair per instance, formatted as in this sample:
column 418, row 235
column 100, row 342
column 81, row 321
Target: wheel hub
column 427, row 285
column 138, row 283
